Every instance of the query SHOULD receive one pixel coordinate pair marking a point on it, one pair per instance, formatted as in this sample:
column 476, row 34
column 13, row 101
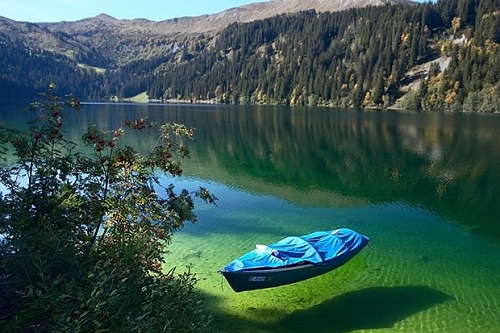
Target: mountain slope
column 106, row 42
column 214, row 22
column 359, row 57
column 127, row 40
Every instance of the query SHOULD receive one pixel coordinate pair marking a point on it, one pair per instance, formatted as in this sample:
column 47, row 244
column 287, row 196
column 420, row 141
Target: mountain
column 109, row 42
column 215, row 22
column 430, row 56
column 104, row 43
column 126, row 40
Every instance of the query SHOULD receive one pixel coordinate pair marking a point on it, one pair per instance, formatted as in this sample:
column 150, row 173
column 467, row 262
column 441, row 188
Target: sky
column 72, row 10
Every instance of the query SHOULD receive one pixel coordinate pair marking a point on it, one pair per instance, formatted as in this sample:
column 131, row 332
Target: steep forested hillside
column 26, row 72
column 352, row 58
column 358, row 57
column 365, row 57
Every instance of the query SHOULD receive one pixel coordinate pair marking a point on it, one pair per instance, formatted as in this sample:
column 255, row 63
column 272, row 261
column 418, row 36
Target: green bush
column 83, row 235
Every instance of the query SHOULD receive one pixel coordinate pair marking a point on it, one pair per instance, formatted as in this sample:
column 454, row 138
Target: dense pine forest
column 434, row 56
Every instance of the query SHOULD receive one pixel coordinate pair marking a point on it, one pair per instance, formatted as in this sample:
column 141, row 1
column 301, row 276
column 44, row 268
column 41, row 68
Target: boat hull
column 275, row 277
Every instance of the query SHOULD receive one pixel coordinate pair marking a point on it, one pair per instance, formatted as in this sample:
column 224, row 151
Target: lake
column 422, row 186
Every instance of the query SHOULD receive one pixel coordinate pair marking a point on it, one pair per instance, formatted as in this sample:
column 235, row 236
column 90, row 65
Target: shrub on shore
column 83, row 235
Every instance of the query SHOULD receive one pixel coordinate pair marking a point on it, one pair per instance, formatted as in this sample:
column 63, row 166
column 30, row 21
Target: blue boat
column 293, row 259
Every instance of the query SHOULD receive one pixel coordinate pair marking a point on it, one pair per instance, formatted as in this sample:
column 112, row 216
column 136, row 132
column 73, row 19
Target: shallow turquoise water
column 420, row 274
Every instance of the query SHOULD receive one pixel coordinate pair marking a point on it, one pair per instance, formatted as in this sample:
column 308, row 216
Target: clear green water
column 420, row 274
column 423, row 187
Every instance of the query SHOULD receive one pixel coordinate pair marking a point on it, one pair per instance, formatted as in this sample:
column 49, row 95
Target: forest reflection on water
column 449, row 164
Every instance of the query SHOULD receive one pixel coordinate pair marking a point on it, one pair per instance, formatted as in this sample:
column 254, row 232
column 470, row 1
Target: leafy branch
column 85, row 232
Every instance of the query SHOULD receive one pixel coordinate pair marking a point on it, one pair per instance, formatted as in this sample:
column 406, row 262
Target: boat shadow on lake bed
column 365, row 309
column 370, row 308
